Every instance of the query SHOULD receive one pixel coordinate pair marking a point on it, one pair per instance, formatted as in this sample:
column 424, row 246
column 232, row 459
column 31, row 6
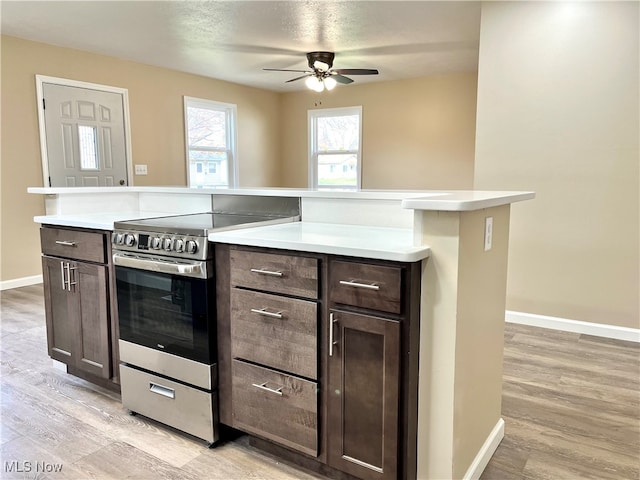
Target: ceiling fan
column 322, row 75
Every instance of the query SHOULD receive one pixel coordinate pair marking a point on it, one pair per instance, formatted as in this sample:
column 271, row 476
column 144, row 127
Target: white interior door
column 85, row 136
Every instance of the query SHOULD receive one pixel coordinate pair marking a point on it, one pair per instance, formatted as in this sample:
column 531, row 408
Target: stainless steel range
column 167, row 316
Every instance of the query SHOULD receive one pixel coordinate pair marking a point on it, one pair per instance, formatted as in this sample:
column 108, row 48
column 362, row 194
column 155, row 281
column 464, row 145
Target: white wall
column 557, row 113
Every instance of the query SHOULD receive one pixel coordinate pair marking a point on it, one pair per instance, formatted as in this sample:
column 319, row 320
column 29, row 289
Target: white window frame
column 230, row 110
column 312, row 122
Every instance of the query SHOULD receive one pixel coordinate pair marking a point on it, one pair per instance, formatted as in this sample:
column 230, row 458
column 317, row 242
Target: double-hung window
column 210, row 132
column 335, row 139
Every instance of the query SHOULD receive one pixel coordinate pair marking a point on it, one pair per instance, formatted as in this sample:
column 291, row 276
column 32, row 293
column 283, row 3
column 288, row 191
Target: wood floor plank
column 7, row 433
column 569, row 407
column 66, row 436
column 121, row 460
column 571, row 404
column 564, row 444
column 237, row 461
column 24, row 453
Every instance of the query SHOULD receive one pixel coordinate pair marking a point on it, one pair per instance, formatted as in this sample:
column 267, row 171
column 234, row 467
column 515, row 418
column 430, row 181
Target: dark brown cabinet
column 77, row 314
column 78, row 303
column 363, row 395
column 273, row 337
column 372, row 367
column 318, row 354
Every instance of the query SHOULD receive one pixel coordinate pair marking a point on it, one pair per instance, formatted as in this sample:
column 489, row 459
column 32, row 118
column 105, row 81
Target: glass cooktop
column 199, row 223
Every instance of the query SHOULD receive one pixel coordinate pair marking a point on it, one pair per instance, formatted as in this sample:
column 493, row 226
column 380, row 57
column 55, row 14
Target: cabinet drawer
column 175, row 404
column 276, row 331
column 278, row 273
column 79, row 245
column 375, row 287
column 278, row 407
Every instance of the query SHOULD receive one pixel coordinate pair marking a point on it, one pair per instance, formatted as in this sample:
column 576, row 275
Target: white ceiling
column 235, row 40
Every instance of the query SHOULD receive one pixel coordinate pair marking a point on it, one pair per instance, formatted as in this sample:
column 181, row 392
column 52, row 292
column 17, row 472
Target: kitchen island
column 464, row 238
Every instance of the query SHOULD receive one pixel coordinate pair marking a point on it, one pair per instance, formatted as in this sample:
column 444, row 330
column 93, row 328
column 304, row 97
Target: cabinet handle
column 353, row 283
column 263, row 386
column 66, row 243
column 69, row 282
column 332, row 342
column 162, row 390
column 64, row 280
column 262, row 271
column 68, row 269
column 265, row 313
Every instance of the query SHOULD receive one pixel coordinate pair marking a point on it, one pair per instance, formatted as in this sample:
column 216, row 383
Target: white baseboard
column 59, row 365
column 486, row 452
column 20, row 282
column 576, row 326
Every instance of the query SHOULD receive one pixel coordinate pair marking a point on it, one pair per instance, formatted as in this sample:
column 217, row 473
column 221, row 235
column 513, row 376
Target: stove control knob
column 129, row 240
column 191, row 246
column 167, row 243
column 118, row 238
column 155, row 243
column 178, row 245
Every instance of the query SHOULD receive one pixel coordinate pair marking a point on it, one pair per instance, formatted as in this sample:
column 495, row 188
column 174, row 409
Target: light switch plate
column 141, row 169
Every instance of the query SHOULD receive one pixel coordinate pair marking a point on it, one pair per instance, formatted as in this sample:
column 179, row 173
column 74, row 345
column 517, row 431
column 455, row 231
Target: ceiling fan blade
column 356, row 71
column 340, row 78
column 298, row 78
column 285, row 70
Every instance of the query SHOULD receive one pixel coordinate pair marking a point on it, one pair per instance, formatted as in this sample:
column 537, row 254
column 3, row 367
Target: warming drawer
column 186, row 408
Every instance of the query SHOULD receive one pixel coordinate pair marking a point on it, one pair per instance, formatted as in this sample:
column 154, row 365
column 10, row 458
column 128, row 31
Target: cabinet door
column 363, row 389
column 60, row 311
column 77, row 314
column 93, row 339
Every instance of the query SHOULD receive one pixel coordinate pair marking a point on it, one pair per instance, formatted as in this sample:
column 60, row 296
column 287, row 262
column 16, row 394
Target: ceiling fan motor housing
column 324, row 57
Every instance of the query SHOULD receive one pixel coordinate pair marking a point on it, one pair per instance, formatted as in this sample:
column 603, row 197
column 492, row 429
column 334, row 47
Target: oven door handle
column 197, row 269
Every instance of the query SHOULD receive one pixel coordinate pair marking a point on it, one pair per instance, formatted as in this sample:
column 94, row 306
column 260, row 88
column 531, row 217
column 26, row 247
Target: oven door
column 167, row 305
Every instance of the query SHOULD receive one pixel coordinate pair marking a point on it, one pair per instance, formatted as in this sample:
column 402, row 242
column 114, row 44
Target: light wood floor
column 571, row 404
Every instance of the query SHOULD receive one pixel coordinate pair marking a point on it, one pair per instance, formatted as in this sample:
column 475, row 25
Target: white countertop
column 264, row 191
column 464, row 200
column 350, row 240
column 447, row 200
column 98, row 221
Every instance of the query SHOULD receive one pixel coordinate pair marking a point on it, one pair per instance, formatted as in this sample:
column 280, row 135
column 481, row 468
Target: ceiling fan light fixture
column 330, row 83
column 315, row 83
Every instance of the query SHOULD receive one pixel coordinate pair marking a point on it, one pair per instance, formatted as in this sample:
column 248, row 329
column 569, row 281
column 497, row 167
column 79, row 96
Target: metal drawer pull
column 67, row 269
column 265, row 313
column 262, row 271
column 66, row 243
column 263, row 386
column 161, row 390
column 69, row 282
column 332, row 342
column 64, row 280
column 353, row 283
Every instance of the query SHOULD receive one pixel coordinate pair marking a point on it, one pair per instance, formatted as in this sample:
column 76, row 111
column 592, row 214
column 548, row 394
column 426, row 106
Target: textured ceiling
column 235, row 40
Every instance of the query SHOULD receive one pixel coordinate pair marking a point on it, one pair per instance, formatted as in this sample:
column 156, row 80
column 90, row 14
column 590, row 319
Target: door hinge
column 49, row 181
column 44, row 106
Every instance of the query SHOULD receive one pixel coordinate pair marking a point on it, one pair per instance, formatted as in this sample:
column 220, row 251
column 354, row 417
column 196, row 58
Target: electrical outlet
column 488, row 233
column 141, row 169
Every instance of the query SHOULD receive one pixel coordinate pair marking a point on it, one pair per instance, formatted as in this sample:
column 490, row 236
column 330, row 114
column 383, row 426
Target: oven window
column 164, row 312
